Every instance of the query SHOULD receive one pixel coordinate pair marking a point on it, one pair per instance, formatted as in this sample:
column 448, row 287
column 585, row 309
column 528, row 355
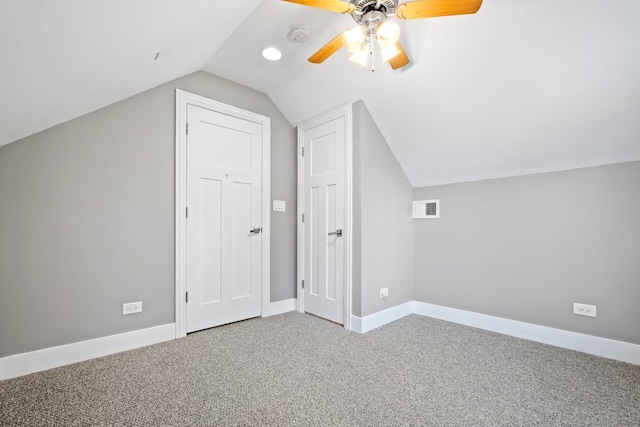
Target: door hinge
column 186, row 296
column 302, row 217
column 187, row 128
column 302, row 151
column 303, row 284
column 186, row 212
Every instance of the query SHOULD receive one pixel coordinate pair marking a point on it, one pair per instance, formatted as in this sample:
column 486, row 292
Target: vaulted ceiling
column 522, row 86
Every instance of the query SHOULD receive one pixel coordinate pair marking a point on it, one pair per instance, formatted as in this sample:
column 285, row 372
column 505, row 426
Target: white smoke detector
column 298, row 35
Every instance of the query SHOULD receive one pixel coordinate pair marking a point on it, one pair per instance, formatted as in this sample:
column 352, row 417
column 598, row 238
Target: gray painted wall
column 528, row 247
column 384, row 228
column 87, row 218
column 87, row 223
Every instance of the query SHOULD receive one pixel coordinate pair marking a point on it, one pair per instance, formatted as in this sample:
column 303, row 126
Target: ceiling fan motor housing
column 370, row 13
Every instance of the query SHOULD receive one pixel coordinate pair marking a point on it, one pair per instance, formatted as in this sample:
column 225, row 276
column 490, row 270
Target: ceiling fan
column 374, row 23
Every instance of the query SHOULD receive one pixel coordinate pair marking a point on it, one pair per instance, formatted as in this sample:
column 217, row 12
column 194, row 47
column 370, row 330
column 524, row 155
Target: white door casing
column 222, row 177
column 324, row 197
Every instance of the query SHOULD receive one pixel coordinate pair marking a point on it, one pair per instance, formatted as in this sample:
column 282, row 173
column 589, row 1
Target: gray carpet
column 297, row 370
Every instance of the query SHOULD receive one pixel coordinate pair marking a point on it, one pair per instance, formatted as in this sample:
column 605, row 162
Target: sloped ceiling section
column 62, row 59
column 520, row 87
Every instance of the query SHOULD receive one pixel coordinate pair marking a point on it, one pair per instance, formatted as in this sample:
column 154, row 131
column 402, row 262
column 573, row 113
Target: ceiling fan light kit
column 388, row 53
column 374, row 21
column 358, row 42
column 387, row 33
column 353, row 38
column 360, row 57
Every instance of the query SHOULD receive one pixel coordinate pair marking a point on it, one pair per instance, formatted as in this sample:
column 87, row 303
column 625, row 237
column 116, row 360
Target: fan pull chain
column 373, row 57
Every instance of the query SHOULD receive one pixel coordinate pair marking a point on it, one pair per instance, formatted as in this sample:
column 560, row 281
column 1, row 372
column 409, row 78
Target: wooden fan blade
column 327, row 50
column 430, row 8
column 400, row 60
column 332, row 5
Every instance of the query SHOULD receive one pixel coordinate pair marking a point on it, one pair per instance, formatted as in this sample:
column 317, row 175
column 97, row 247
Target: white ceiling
column 522, row 86
column 64, row 58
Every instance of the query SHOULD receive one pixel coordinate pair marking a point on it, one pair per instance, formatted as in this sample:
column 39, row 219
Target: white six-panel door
column 324, row 224
column 224, row 223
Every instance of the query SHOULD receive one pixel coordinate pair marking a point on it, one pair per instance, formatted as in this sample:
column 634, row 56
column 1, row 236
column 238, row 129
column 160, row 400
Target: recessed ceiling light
column 272, row 54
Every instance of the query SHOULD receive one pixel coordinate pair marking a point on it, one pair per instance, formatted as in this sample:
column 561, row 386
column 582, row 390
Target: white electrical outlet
column 384, row 292
column 131, row 307
column 584, row 309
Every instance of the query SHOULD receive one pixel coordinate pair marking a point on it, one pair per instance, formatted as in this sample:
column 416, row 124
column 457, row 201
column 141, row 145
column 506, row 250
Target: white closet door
column 224, row 224
column 324, row 249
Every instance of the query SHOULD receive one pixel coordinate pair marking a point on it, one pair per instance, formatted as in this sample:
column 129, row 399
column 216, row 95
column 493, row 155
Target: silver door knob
column 337, row 233
column 256, row 230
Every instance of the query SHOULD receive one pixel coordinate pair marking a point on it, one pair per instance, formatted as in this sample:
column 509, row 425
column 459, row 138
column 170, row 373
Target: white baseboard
column 280, row 307
column 40, row 360
column 381, row 318
column 611, row 349
column 48, row 358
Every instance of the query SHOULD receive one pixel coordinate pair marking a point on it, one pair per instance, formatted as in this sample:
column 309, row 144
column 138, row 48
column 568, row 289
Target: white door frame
column 182, row 100
column 346, row 112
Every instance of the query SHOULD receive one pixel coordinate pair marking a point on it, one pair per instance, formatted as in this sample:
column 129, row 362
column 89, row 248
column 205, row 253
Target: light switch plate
column 279, row 206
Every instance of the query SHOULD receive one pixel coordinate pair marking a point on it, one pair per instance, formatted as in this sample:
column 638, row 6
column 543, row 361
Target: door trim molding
column 183, row 99
column 346, row 112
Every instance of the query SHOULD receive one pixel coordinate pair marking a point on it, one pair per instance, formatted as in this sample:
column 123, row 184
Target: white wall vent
column 426, row 209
